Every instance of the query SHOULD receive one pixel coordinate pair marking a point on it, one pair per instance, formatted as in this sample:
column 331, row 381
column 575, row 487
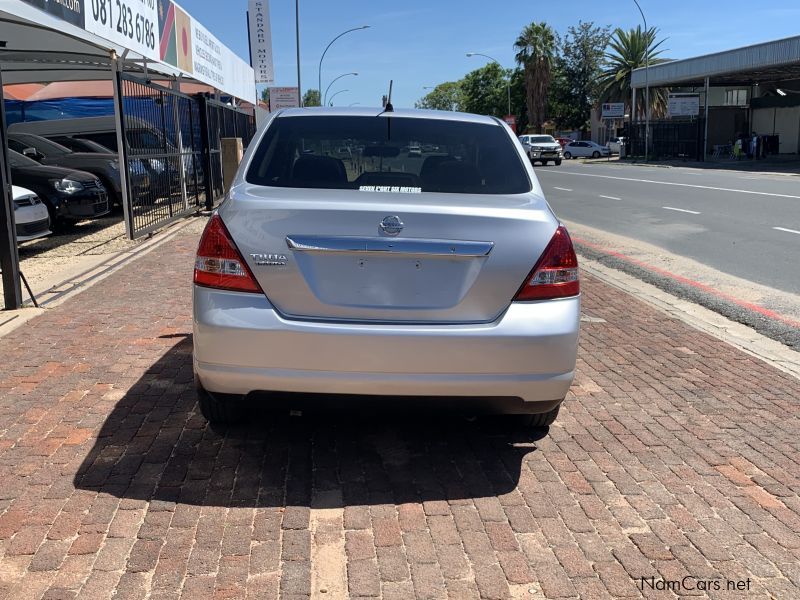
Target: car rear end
column 447, row 277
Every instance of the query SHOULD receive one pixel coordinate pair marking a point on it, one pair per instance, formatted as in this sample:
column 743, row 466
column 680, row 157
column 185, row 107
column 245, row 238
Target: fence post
column 9, row 258
column 122, row 149
column 205, row 143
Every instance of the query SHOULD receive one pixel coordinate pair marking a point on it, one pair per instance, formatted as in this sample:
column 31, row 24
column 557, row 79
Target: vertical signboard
column 260, row 40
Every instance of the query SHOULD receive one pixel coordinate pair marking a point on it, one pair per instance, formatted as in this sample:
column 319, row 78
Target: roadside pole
column 705, row 124
column 9, row 258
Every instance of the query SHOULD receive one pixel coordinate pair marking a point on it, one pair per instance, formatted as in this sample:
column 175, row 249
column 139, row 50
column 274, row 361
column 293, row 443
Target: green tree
column 445, row 96
column 575, row 85
column 627, row 51
column 265, row 96
column 484, row 91
column 311, row 98
column 536, row 51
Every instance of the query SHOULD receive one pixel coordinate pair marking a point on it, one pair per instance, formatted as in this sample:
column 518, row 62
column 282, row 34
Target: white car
column 30, row 215
column 614, row 144
column 585, row 149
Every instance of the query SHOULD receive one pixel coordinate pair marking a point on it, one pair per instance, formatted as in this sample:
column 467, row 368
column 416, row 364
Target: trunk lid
column 322, row 254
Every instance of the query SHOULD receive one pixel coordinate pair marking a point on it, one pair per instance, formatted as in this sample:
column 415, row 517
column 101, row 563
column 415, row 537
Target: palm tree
column 627, row 51
column 536, row 47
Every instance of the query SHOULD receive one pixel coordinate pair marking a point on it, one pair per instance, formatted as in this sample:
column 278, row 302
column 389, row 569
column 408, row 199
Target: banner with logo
column 70, row 11
column 160, row 30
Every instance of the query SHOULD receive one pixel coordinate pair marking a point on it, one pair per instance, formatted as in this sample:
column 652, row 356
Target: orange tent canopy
column 99, row 89
column 20, row 91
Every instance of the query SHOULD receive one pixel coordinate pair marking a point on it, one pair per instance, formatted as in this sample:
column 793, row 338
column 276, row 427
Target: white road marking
column 610, row 197
column 691, row 212
column 689, row 185
column 787, row 230
column 562, row 189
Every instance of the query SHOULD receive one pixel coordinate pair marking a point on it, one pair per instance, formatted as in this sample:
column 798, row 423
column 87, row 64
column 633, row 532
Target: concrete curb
column 740, row 336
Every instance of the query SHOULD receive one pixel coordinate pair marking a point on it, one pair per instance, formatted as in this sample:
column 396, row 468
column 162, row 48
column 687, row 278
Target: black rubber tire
column 595, row 154
column 567, row 155
column 558, row 163
column 223, row 409
column 542, row 419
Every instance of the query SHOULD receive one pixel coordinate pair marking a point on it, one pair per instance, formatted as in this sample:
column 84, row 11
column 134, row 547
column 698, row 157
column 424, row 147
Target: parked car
column 79, row 144
column 105, row 166
column 563, row 141
column 445, row 277
column 541, row 148
column 585, row 149
column 614, row 144
column 143, row 140
column 30, row 215
column 69, row 195
column 414, row 150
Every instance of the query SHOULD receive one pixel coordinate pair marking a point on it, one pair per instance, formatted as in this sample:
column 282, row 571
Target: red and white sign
column 511, row 121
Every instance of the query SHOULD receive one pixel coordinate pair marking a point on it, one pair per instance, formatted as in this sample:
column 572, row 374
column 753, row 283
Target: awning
column 778, row 60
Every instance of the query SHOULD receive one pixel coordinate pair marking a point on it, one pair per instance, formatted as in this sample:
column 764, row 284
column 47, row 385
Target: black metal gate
column 162, row 150
column 669, row 139
column 220, row 121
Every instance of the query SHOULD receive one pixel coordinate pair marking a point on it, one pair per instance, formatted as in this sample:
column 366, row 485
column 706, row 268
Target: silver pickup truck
column 541, row 148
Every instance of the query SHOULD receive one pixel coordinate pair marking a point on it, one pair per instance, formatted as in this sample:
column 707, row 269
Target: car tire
column 595, row 154
column 567, row 155
column 541, row 419
column 558, row 162
column 222, row 409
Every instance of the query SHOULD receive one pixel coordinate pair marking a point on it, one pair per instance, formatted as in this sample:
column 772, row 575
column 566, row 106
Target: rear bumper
column 242, row 345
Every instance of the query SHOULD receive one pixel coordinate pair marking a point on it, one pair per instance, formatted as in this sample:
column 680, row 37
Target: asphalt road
column 742, row 224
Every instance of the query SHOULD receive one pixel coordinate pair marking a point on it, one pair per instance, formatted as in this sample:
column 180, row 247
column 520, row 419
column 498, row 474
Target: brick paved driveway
column 675, row 455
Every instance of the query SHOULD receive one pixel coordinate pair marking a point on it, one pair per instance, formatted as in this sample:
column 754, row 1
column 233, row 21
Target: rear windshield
column 388, row 154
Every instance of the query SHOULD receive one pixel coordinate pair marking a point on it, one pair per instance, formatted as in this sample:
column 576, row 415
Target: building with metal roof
column 743, row 91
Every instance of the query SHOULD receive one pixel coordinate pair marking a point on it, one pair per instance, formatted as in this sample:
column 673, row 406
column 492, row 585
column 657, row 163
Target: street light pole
column 501, row 66
column 646, row 86
column 319, row 71
column 334, row 81
column 336, row 94
column 297, row 35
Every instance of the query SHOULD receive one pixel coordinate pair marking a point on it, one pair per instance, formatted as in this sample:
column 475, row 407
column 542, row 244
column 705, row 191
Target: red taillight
column 555, row 274
column 219, row 263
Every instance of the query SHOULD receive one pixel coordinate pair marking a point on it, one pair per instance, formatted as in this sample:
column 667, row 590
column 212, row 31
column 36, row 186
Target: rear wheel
column 224, row 409
column 540, row 420
column 595, row 154
column 567, row 155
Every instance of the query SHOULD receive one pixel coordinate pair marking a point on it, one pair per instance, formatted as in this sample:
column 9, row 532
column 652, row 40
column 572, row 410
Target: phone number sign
column 130, row 23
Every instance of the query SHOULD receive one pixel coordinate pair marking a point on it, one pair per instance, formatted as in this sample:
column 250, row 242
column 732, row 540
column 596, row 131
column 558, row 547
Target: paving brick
column 669, row 458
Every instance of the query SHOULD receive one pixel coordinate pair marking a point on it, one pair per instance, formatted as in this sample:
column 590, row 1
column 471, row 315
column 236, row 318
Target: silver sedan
column 444, row 275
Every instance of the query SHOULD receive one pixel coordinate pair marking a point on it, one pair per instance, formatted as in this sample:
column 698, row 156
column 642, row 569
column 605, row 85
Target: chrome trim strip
column 314, row 243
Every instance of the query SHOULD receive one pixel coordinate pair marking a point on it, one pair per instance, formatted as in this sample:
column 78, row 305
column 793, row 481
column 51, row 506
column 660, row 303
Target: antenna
column 389, row 107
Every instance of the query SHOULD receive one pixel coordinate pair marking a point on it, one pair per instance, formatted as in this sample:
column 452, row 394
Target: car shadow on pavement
column 155, row 445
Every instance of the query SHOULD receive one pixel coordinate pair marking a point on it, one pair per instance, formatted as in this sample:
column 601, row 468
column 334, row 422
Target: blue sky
column 423, row 42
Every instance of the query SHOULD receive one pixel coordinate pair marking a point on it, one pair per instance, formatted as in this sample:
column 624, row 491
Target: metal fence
column 162, row 151
column 668, row 139
column 173, row 151
column 220, row 121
